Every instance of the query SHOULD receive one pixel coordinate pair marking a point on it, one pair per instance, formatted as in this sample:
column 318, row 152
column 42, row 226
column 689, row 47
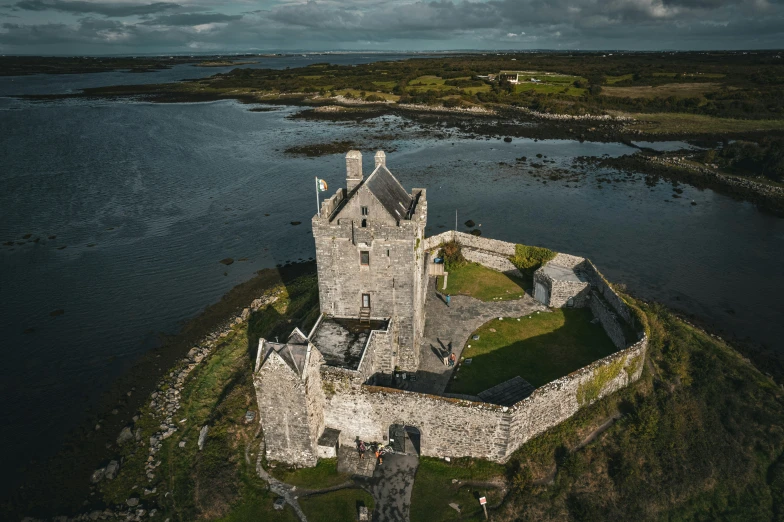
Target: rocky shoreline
column 768, row 198
column 65, row 485
column 164, row 404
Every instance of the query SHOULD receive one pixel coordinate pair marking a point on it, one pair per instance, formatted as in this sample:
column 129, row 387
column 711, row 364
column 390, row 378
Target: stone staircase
column 501, row 440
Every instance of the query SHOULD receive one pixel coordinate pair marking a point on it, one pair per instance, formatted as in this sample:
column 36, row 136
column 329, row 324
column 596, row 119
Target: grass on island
column 434, row 490
column 682, row 123
column 701, row 438
column 539, row 348
column 481, row 283
column 549, row 88
column 216, row 482
column 336, row 506
column 678, row 90
column 323, row 475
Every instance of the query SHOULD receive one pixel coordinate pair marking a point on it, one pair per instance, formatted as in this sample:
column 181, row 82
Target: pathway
column 391, row 487
column 276, row 486
column 445, row 326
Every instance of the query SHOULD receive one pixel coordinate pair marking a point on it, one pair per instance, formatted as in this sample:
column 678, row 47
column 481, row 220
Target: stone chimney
column 353, row 169
column 381, row 158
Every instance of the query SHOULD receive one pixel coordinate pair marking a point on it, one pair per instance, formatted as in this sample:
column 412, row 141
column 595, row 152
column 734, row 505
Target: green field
column 482, row 283
column 681, row 123
column 549, row 88
column 323, row 475
column 539, row 348
column 336, row 506
column 434, row 490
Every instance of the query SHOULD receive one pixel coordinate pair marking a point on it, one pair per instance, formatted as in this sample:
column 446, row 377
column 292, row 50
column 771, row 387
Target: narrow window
column 365, row 300
column 364, row 257
column 387, row 252
column 364, row 211
column 364, row 223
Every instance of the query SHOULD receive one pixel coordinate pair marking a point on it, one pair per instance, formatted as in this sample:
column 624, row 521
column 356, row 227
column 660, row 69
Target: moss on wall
column 590, row 391
column 632, row 367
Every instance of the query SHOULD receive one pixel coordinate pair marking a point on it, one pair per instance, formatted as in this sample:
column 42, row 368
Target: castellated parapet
column 372, row 260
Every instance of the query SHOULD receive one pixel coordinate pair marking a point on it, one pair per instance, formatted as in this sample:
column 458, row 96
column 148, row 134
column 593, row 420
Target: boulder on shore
column 203, row 436
column 98, row 475
column 111, row 469
column 126, row 435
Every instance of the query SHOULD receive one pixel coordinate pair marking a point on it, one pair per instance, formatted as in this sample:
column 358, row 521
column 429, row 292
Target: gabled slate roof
column 292, row 353
column 389, row 192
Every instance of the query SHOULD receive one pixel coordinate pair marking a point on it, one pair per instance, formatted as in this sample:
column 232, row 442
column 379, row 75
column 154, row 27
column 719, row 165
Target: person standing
column 448, row 299
column 362, row 449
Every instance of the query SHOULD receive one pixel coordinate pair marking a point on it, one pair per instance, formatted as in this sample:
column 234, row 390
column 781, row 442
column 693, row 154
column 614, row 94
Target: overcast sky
column 139, row 26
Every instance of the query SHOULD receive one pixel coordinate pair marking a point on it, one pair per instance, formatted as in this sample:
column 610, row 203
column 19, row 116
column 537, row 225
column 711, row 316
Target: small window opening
column 387, row 252
column 364, row 223
column 364, row 258
column 365, row 300
column 364, row 211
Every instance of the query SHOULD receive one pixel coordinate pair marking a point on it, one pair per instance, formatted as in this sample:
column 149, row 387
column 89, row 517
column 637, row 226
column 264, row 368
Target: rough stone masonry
column 372, row 260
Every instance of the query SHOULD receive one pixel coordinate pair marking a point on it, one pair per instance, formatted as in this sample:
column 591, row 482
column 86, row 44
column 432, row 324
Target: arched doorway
column 405, row 439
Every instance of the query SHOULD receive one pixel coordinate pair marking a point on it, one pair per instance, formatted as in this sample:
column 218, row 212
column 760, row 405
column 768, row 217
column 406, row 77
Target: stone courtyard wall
column 492, row 253
column 449, row 427
column 452, row 427
column 555, row 402
column 608, row 319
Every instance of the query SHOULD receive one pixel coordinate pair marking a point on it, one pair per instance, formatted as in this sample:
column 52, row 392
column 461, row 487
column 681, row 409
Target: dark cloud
column 409, row 24
column 102, row 8
column 191, row 19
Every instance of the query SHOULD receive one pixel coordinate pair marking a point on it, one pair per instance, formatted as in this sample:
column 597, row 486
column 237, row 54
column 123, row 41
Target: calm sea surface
column 147, row 198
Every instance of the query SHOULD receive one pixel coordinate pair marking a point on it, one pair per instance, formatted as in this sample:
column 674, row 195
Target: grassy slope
column 217, row 482
column 701, row 439
column 482, row 283
column 323, row 475
column 539, row 348
column 434, row 490
column 336, row 506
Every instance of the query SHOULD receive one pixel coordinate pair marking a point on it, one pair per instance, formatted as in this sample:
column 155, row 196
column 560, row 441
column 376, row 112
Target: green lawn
column 550, row 88
column 539, row 348
column 482, row 283
column 657, row 123
column 434, row 490
column 260, row 507
column 336, row 506
column 323, row 475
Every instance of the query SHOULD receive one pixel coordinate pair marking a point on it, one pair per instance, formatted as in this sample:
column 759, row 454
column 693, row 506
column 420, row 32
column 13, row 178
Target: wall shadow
column 539, row 359
column 302, row 311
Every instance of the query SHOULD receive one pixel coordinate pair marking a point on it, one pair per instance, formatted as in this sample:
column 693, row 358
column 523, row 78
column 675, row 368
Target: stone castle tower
column 369, row 251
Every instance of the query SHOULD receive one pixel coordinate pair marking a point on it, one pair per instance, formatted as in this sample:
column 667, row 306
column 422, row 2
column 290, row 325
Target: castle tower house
column 369, row 252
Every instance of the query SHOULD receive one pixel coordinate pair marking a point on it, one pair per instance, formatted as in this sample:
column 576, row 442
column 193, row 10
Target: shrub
column 453, row 255
column 528, row 258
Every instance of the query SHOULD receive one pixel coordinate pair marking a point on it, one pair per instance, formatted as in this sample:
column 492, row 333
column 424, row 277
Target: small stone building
column 562, row 282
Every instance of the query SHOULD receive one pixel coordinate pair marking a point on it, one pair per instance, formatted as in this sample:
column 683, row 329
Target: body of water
column 129, row 208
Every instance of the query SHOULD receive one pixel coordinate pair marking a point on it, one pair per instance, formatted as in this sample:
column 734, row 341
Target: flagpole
column 318, row 205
